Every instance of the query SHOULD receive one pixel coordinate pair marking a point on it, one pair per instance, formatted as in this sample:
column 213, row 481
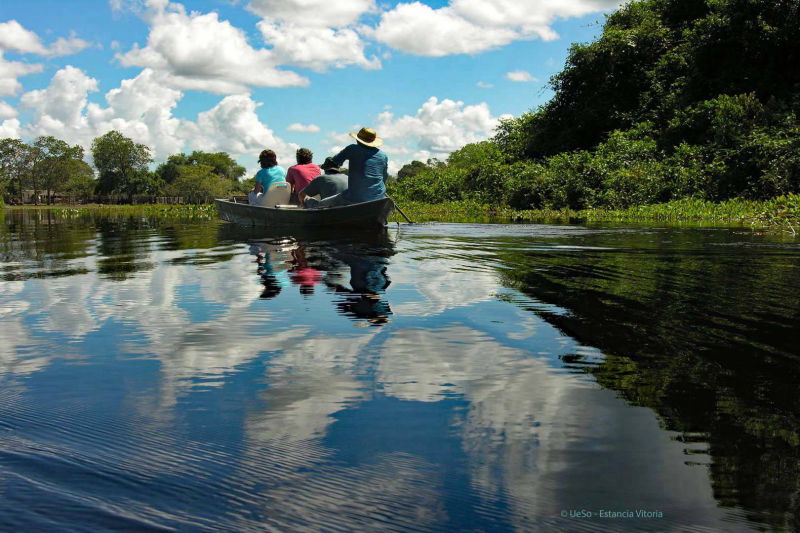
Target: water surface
column 191, row 376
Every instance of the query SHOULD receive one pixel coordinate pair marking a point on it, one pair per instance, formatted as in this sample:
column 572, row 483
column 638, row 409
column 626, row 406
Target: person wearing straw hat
column 368, row 170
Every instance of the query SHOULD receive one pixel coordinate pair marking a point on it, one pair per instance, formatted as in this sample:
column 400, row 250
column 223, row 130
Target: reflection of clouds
column 441, row 284
column 453, row 358
column 517, row 406
column 16, row 353
column 298, row 475
column 309, row 381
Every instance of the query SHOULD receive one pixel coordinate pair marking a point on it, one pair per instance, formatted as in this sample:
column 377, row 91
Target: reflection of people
column 333, row 182
column 269, row 279
column 368, row 170
column 368, row 282
column 301, row 274
column 301, row 174
column 270, row 173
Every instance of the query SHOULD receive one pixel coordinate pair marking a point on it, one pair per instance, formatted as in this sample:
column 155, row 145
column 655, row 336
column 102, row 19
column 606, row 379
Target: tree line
column 675, row 99
column 49, row 166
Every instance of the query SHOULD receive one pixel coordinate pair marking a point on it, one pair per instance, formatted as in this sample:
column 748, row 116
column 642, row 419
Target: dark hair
column 267, row 158
column 304, row 156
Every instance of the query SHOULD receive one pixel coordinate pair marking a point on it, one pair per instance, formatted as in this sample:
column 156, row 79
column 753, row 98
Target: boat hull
column 366, row 214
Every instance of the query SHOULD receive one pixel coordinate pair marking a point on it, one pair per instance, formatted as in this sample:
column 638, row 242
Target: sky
column 243, row 75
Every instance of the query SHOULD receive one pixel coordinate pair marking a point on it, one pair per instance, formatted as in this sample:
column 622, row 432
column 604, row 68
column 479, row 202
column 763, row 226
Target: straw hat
column 367, row 137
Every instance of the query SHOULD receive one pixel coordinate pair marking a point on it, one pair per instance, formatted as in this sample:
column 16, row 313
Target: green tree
column 409, row 170
column 199, row 183
column 122, row 165
column 53, row 169
column 220, row 163
column 17, row 163
column 80, row 179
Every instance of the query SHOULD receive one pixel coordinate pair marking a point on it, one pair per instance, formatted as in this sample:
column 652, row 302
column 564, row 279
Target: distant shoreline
column 778, row 214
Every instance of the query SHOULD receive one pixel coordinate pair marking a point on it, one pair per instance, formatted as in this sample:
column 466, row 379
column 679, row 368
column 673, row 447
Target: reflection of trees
column 706, row 337
column 43, row 245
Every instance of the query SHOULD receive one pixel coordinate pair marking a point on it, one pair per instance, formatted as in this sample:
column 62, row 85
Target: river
column 160, row 375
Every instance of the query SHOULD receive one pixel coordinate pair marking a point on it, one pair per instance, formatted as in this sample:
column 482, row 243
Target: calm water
column 174, row 376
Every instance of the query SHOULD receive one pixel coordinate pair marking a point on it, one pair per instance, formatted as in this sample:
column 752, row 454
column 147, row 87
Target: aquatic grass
column 781, row 213
column 777, row 214
column 164, row 211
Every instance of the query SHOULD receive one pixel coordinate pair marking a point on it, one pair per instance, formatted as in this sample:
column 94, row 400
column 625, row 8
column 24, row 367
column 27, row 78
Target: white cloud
column 436, row 129
column 58, row 108
column 10, row 128
column 234, row 127
column 418, row 29
column 6, row 111
column 301, row 128
column 520, row 76
column 141, row 108
column 316, row 48
column 10, row 71
column 472, row 26
column 65, row 47
column 314, row 13
column 484, row 85
column 14, row 37
column 199, row 51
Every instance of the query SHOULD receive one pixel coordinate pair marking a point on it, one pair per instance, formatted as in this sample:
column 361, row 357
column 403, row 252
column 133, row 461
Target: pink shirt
column 301, row 175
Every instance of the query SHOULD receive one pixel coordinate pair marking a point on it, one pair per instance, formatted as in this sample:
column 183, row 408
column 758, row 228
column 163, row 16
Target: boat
column 365, row 214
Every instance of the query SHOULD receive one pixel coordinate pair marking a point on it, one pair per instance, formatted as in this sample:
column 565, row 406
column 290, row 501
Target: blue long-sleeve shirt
column 367, row 174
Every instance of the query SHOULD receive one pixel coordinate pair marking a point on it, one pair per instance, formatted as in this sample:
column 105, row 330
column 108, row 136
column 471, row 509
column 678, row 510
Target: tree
column 80, row 181
column 53, row 168
column 409, row 170
column 198, row 183
column 122, row 165
column 17, row 162
column 220, row 164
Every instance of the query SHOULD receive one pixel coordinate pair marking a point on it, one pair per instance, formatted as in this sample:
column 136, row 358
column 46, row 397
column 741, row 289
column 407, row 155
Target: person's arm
column 385, row 169
column 308, row 190
column 342, row 156
column 258, row 188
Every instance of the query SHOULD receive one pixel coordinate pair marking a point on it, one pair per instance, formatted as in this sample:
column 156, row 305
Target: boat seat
column 278, row 193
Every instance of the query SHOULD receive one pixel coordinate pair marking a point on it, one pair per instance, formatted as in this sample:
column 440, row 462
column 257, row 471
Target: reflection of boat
column 374, row 213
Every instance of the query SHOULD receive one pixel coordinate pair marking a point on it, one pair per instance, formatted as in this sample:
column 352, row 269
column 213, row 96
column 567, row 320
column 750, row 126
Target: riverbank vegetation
column 41, row 171
column 694, row 101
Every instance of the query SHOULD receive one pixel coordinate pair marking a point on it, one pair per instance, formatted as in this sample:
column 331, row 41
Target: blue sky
column 244, row 75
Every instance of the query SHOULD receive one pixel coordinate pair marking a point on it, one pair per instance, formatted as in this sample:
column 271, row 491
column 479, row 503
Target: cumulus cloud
column 58, row 108
column 472, row 26
column 200, row 51
column 15, row 37
column 313, row 13
column 10, row 71
column 9, row 124
column 141, row 108
column 520, row 76
column 302, row 128
column 316, row 48
column 10, row 129
column 437, row 128
column 234, row 127
column 65, row 47
column 6, row 111
column 484, row 85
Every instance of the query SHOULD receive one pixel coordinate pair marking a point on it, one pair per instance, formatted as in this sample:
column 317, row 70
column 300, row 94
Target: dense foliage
column 676, row 99
column 50, row 166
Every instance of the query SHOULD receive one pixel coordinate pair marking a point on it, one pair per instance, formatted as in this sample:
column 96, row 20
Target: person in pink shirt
column 303, row 172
